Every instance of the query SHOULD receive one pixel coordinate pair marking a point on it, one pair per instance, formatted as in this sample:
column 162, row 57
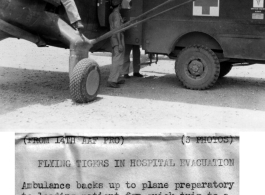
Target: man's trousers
column 71, row 10
column 136, row 59
column 117, row 63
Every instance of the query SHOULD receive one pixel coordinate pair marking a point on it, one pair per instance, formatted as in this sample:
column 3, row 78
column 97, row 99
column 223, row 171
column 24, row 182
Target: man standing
column 72, row 13
column 136, row 61
column 127, row 5
column 118, row 46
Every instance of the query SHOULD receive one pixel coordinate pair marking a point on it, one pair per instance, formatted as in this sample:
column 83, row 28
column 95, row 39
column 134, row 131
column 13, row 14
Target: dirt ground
column 34, row 95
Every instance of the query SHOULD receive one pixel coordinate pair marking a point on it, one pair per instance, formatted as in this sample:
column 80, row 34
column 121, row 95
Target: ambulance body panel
column 234, row 28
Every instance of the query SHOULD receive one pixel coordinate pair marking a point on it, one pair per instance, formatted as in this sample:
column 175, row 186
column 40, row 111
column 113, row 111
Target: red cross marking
column 206, row 4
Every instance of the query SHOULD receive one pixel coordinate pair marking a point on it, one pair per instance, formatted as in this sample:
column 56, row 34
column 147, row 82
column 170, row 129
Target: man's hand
column 120, row 48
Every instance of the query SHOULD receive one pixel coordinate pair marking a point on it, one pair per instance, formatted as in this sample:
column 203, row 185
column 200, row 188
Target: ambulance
column 205, row 37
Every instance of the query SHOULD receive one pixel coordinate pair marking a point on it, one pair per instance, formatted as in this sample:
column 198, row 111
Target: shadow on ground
column 23, row 87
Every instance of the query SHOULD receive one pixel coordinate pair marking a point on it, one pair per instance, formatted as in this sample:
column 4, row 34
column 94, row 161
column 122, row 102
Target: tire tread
column 77, row 78
column 216, row 63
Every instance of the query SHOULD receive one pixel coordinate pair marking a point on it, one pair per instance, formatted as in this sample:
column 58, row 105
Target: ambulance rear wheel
column 225, row 68
column 197, row 67
column 85, row 81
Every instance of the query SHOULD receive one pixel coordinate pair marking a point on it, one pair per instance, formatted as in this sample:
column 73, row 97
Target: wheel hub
column 92, row 82
column 195, row 68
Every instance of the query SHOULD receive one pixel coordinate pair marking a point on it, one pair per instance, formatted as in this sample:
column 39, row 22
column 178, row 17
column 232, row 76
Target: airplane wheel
column 85, row 81
column 197, row 67
column 225, row 68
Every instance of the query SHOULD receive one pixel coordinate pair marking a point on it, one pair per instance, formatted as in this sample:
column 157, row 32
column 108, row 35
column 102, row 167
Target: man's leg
column 136, row 61
column 115, row 67
column 71, row 11
column 127, row 61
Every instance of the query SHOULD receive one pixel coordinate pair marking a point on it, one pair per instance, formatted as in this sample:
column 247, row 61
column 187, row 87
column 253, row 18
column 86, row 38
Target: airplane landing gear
column 85, row 81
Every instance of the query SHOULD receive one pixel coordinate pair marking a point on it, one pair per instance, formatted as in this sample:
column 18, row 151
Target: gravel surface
column 34, row 95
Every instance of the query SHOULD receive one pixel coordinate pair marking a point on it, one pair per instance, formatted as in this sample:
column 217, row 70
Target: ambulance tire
column 85, row 81
column 197, row 67
column 225, row 68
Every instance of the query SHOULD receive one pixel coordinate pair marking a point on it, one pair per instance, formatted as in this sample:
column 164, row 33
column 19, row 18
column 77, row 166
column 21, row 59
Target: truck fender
column 196, row 38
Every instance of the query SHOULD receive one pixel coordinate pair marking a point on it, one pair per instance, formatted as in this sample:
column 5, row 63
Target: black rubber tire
column 225, row 68
column 83, row 91
column 209, row 67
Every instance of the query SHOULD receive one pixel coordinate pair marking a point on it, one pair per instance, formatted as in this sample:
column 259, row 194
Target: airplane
column 45, row 23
